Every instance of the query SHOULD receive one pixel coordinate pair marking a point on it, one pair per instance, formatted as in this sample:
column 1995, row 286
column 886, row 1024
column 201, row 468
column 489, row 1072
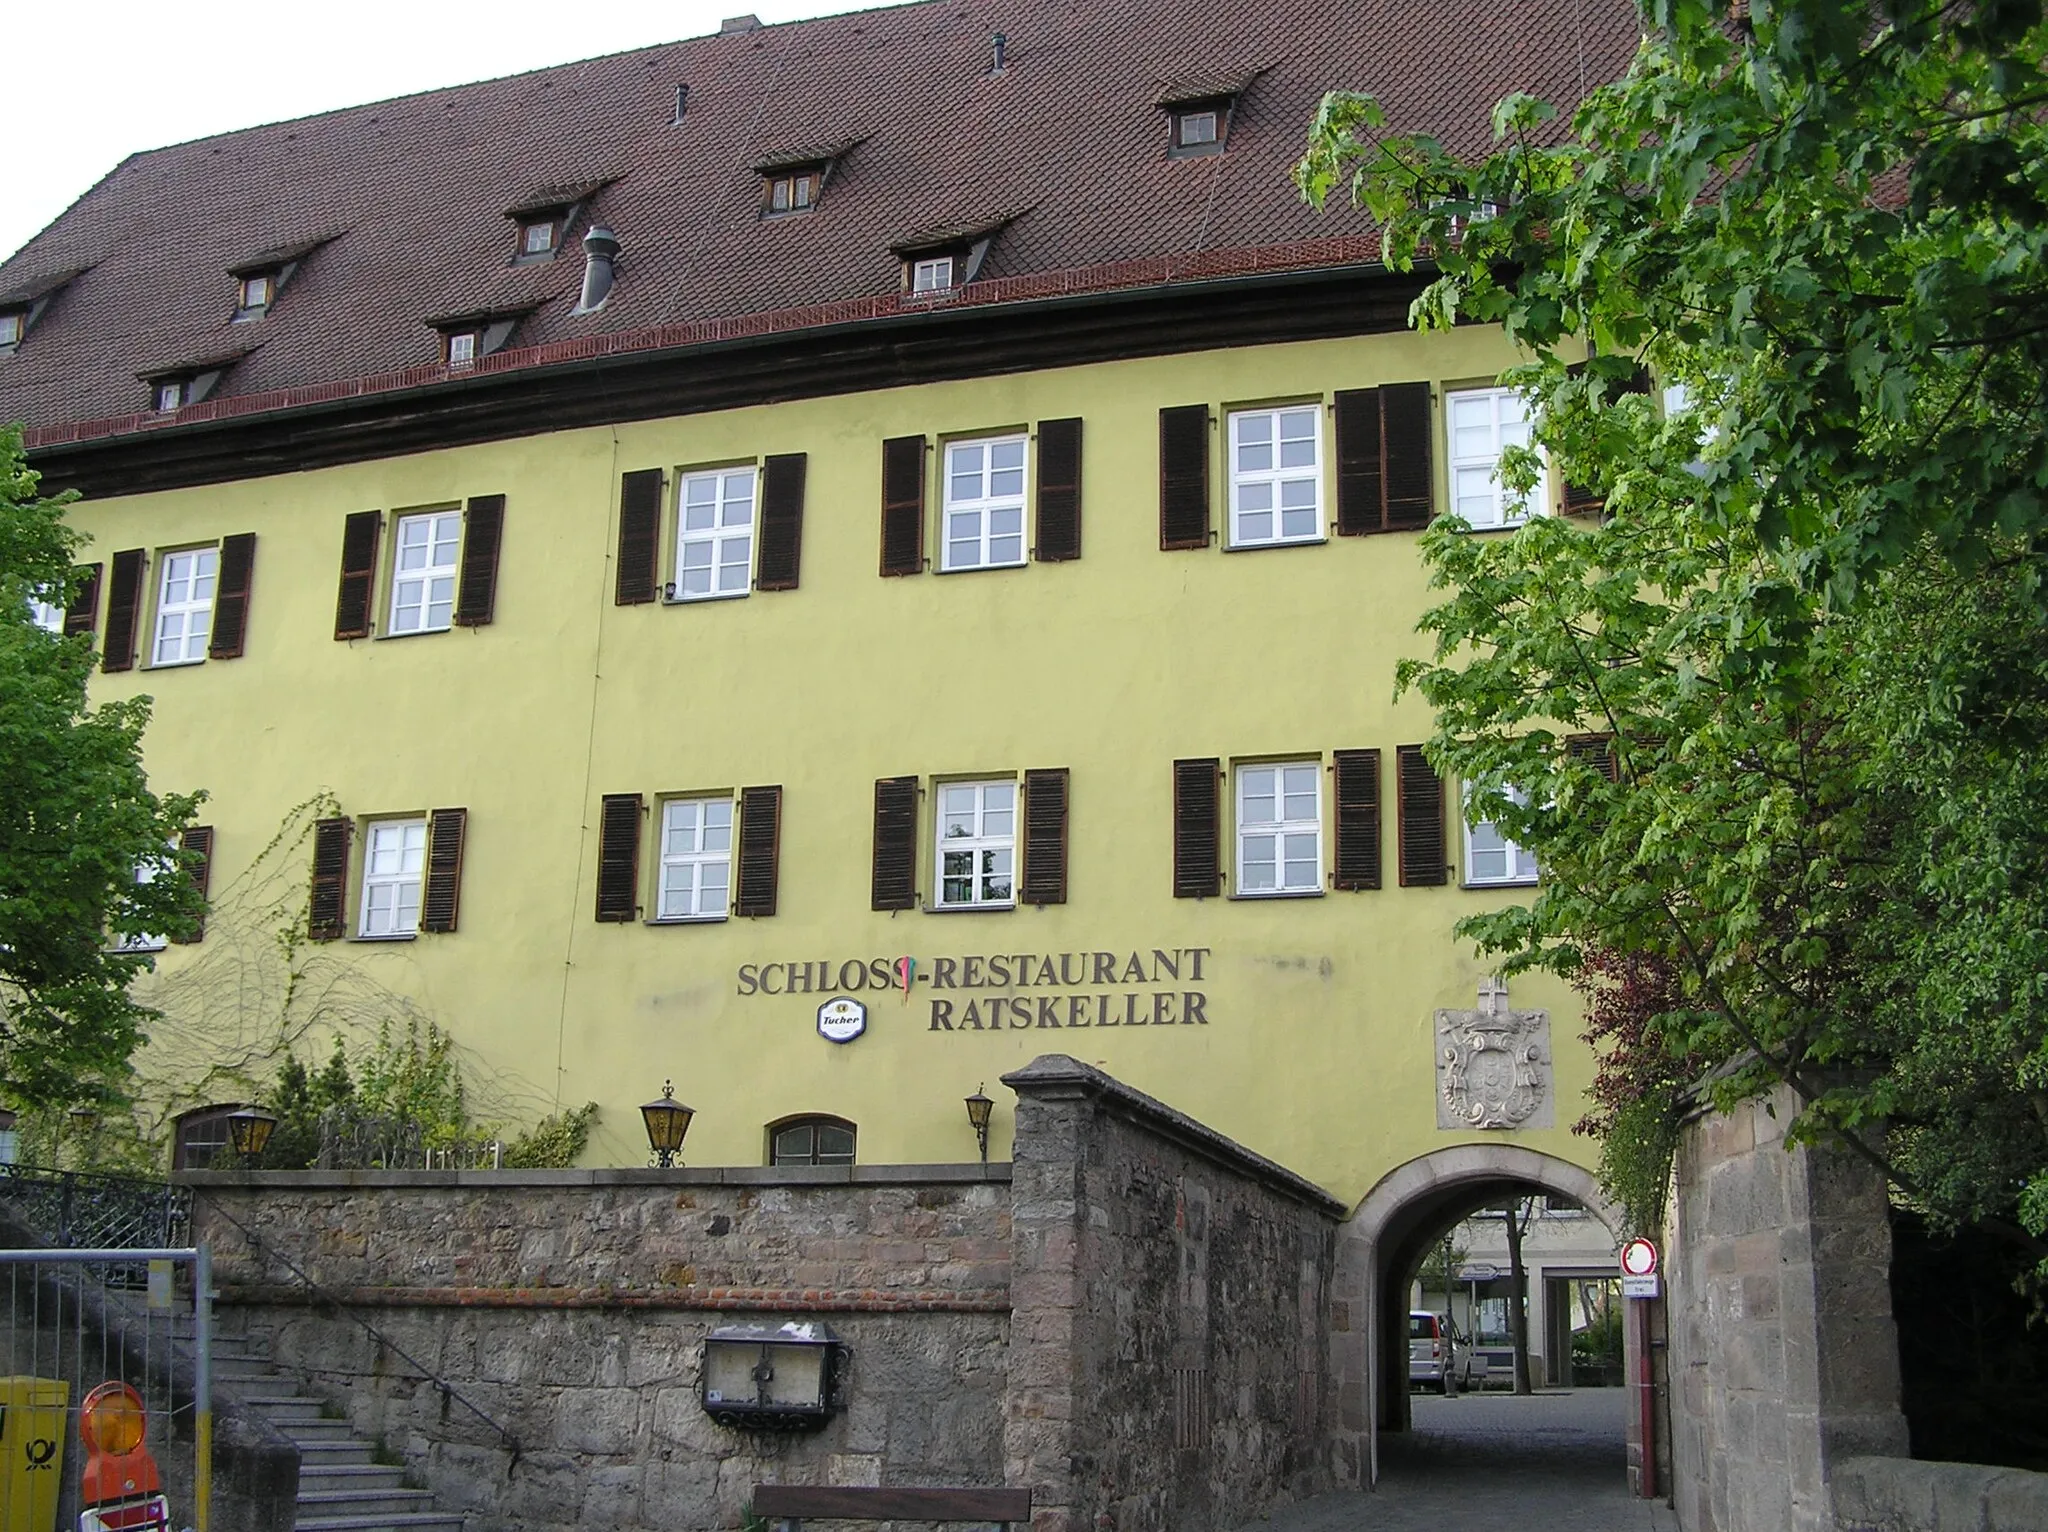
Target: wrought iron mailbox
column 774, row 1377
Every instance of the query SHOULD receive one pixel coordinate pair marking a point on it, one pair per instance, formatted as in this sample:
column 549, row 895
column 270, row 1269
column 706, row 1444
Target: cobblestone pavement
column 1554, row 1461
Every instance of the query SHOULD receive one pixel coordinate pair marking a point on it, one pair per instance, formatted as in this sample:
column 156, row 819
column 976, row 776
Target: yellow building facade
column 1300, row 1025
column 922, row 591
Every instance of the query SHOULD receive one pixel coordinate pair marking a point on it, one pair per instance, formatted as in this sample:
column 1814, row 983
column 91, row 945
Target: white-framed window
column 423, row 571
column 46, row 615
column 184, row 606
column 170, row 395
column 256, row 292
column 984, row 503
column 13, row 325
column 1483, row 423
column 792, row 193
column 1490, row 857
column 1276, row 476
column 461, row 348
column 1280, row 828
column 537, row 237
column 932, row 276
column 143, row 941
column 714, row 533
column 394, row 858
column 977, row 845
column 696, row 859
column 1197, row 128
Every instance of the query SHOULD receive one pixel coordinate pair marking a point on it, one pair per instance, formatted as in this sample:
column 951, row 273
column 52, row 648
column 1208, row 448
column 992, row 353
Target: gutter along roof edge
column 1200, row 268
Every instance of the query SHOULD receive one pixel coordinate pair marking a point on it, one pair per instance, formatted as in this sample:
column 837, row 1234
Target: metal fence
column 75, row 1340
column 78, row 1209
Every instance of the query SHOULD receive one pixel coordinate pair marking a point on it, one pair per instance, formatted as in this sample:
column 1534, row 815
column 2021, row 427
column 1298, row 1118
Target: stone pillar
column 1784, row 1355
column 1047, row 1157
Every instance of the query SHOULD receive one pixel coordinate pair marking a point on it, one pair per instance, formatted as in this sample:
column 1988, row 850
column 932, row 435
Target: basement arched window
column 811, row 1141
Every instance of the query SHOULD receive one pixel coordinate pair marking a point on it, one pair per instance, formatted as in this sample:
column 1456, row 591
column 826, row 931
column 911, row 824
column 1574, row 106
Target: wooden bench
column 788, row 1504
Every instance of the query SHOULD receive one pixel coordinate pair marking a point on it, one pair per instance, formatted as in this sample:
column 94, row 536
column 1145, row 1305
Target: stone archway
column 1381, row 1243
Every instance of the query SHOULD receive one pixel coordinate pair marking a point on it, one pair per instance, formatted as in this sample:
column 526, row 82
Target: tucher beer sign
column 1010, row 992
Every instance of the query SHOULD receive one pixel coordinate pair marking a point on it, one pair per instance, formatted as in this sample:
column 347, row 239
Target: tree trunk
column 1518, row 1300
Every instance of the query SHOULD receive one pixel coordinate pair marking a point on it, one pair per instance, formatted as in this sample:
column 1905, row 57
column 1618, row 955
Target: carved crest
column 1493, row 1064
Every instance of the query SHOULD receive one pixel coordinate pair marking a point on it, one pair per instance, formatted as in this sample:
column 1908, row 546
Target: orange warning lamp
column 117, row 1465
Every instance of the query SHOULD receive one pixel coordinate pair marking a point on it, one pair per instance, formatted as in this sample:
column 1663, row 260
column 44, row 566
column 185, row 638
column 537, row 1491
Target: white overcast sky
column 90, row 82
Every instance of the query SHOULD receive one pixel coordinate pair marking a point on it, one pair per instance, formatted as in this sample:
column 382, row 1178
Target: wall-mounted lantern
column 667, row 1121
column 978, row 1108
column 774, row 1377
column 249, row 1129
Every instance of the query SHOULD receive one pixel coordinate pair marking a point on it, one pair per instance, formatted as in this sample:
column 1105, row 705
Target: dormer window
column 1198, row 127
column 470, row 336
column 544, row 217
column 171, row 394
column 793, row 179
column 933, row 275
column 537, row 239
column 1199, row 108
column 22, row 305
column 258, row 289
column 13, row 325
column 792, row 193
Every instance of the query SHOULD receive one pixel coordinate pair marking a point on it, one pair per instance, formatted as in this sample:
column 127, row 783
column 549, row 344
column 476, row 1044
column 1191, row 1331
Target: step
column 385, row 1521
column 346, row 1450
column 322, row 1477
column 314, row 1429
column 277, row 1407
column 362, row 1500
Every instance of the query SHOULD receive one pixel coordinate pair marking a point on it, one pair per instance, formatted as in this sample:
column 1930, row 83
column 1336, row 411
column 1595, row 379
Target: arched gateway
column 1378, row 1250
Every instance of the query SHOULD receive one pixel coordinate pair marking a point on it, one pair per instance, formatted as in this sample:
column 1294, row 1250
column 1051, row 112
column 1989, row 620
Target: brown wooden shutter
column 483, row 533
column 1407, row 473
column 358, row 574
column 83, row 615
column 1583, row 499
column 231, row 597
column 903, row 508
column 782, row 522
column 1197, row 828
column 1358, row 818
column 443, row 898
column 1059, row 493
column 198, row 841
column 1045, row 837
column 124, row 611
column 1361, row 505
column 760, row 850
column 1421, row 819
column 894, row 885
column 1184, row 476
column 1597, row 751
column 639, row 543
column 618, row 857
column 327, row 910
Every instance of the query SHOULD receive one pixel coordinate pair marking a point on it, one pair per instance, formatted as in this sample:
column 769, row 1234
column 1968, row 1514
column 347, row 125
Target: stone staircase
column 342, row 1488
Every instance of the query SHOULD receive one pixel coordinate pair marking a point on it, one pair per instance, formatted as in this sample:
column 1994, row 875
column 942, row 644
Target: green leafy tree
column 1813, row 618
column 86, row 865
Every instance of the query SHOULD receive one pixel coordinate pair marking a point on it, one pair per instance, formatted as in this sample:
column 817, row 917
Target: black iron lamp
column 249, row 1130
column 667, row 1121
column 978, row 1108
column 763, row 1376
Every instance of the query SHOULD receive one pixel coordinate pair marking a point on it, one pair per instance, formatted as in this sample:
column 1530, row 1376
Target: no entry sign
column 1639, row 1269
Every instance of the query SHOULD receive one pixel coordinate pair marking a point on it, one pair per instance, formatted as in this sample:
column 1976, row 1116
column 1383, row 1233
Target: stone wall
column 1169, row 1365
column 570, row 1308
column 1783, row 1356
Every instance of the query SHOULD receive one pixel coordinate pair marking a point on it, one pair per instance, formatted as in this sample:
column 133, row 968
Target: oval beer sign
column 841, row 1020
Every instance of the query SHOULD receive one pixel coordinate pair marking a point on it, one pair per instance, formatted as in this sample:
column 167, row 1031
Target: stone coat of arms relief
column 1493, row 1065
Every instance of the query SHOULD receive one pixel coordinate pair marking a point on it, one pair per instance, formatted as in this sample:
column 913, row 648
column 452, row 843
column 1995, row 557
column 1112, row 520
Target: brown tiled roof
column 1069, row 128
